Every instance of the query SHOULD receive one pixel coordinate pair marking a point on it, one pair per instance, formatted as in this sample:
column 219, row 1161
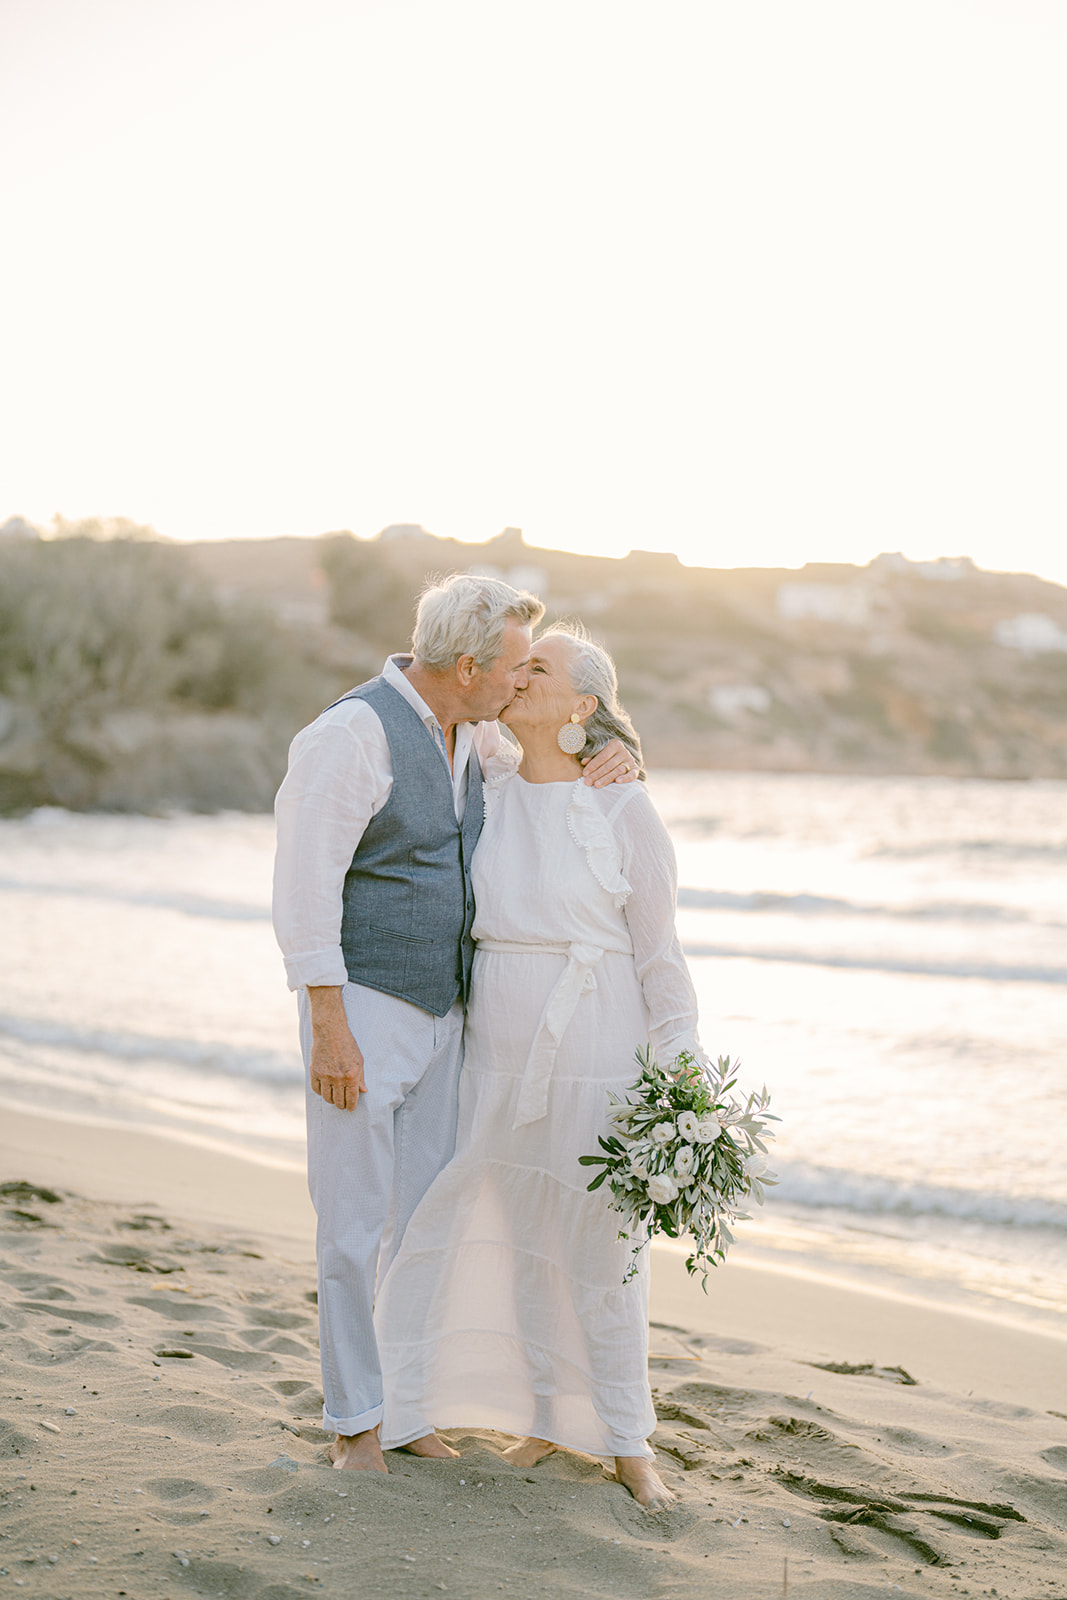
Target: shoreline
column 131, row 1166
column 776, row 1303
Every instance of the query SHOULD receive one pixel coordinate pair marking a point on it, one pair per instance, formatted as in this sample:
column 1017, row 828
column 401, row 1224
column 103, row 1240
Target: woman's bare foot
column 358, row 1452
column 430, row 1446
column 529, row 1452
column 643, row 1482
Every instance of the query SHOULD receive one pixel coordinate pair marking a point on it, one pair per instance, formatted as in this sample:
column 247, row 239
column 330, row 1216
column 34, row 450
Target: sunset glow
column 761, row 284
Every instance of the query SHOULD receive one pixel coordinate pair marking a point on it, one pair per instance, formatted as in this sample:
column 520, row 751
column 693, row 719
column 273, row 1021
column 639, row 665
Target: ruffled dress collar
column 592, row 832
column 587, row 823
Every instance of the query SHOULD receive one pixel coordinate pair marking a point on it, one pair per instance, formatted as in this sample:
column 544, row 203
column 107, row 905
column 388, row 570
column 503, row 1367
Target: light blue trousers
column 367, row 1171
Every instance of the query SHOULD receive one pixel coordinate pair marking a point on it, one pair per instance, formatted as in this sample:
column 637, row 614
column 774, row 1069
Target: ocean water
column 887, row 955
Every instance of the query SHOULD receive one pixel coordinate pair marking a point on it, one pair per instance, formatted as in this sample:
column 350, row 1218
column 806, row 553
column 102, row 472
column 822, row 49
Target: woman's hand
column 614, row 764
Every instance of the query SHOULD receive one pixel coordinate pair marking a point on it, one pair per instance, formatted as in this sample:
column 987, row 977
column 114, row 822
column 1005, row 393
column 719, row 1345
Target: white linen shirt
column 340, row 775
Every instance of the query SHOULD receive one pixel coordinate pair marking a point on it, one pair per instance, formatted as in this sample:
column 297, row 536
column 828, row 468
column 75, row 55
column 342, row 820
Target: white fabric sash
column 578, row 978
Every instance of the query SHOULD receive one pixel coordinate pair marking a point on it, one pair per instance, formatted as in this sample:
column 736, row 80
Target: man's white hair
column 464, row 615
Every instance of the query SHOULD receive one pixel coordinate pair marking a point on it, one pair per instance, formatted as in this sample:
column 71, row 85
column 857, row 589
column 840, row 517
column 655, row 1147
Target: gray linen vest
column 408, row 906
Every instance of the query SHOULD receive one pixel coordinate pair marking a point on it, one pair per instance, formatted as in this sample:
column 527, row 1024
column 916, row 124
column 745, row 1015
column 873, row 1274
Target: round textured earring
column 571, row 738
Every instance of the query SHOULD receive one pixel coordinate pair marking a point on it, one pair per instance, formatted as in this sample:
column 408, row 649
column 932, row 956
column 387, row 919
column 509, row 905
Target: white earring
column 571, row 738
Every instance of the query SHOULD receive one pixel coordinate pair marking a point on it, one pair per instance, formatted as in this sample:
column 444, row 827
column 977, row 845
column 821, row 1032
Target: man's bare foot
column 358, row 1452
column 643, row 1482
column 528, row 1452
column 430, row 1446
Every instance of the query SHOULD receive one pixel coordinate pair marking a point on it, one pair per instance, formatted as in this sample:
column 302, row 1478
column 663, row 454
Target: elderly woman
column 505, row 1307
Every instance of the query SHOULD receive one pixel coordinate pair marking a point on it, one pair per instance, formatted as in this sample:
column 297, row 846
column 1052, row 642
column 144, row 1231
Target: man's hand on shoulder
column 614, row 764
column 336, row 1066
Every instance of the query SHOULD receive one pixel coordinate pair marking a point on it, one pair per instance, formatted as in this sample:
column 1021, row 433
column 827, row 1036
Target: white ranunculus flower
column 708, row 1129
column 688, row 1124
column 662, row 1189
column 639, row 1168
column 684, row 1160
column 756, row 1165
column 663, row 1132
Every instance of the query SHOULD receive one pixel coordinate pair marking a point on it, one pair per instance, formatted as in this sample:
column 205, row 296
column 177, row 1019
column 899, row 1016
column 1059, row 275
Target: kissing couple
column 475, row 901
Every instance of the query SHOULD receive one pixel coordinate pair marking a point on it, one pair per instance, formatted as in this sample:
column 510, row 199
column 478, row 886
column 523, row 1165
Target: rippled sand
column 159, row 1423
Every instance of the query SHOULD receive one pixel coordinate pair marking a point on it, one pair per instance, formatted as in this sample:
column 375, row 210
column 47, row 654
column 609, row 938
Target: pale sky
column 759, row 281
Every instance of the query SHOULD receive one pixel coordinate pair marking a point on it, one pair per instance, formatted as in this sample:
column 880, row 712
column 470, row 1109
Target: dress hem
column 603, row 1450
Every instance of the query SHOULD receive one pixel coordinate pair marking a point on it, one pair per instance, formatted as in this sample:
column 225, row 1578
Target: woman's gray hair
column 592, row 671
column 464, row 615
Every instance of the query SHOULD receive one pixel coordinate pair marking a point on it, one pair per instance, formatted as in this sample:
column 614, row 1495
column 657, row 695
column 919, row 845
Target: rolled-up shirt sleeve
column 339, row 776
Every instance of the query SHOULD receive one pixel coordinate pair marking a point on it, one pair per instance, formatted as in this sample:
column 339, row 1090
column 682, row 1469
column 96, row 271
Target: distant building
column 404, row 530
column 727, row 699
column 946, row 569
column 313, row 612
column 18, row 528
column 523, row 576
column 847, row 603
column 1032, row 632
column 535, row 579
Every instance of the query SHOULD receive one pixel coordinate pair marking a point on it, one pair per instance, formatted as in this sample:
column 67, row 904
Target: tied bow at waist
column 578, row 978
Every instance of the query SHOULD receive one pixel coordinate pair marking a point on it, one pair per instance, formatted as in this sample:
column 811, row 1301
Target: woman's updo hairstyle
column 592, row 671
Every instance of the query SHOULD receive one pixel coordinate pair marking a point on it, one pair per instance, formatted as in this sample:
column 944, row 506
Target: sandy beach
column 159, row 1421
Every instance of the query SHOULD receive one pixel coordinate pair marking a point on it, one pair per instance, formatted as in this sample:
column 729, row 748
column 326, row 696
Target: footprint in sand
column 276, row 1343
column 670, row 1411
column 196, row 1422
column 866, row 1369
column 235, row 1583
column 180, row 1308
column 171, row 1489
column 92, row 1319
column 72, row 1346
column 668, row 1525
column 145, row 1222
column 309, row 1403
column 18, row 1195
column 51, row 1290
column 271, row 1479
column 727, row 1347
column 136, row 1258
column 709, row 1398
column 13, row 1442
column 905, row 1440
column 28, row 1282
column 1000, row 1408
column 224, row 1354
column 263, row 1317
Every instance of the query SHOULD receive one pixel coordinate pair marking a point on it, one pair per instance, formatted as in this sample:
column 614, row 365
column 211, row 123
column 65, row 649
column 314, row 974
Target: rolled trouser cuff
column 347, row 1426
column 635, row 1447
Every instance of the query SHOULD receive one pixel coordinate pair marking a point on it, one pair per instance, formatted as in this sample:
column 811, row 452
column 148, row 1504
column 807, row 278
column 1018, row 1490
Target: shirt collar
column 394, row 673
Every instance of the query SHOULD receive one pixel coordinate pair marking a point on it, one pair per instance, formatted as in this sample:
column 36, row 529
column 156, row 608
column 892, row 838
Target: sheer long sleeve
column 650, row 868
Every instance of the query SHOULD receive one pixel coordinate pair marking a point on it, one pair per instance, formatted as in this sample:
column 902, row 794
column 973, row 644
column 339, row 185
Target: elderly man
column 378, row 817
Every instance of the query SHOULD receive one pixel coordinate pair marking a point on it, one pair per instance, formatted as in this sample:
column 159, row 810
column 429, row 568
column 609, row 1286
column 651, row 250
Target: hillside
column 894, row 667
column 137, row 674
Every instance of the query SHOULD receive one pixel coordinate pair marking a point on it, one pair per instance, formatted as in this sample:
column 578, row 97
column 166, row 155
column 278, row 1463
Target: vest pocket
column 403, row 938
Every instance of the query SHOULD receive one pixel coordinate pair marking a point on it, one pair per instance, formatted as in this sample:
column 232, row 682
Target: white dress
column 505, row 1307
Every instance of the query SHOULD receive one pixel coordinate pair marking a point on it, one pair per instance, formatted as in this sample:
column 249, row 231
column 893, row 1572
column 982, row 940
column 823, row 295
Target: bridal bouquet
column 685, row 1157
